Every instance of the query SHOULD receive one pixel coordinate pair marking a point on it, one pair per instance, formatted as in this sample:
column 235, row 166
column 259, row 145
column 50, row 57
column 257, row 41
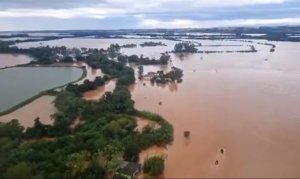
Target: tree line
column 94, row 148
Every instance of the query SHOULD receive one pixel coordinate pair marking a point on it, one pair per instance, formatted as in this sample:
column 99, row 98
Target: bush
column 154, row 165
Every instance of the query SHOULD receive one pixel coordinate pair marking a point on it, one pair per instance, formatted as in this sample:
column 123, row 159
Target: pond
column 244, row 103
column 21, row 83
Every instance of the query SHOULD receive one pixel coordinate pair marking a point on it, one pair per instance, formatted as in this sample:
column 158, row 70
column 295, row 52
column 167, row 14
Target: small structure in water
column 187, row 134
column 222, row 151
column 217, row 162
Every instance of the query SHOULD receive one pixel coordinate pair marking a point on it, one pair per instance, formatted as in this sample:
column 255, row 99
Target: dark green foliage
column 161, row 136
column 128, row 46
column 174, row 75
column 95, row 147
column 93, row 150
column 113, row 50
column 38, row 130
column 152, row 44
column 87, row 85
column 67, row 59
column 185, row 47
column 132, row 149
column 12, row 129
column 119, row 101
column 154, row 166
column 133, row 59
column 140, row 71
column 122, row 58
column 5, row 44
column 69, row 104
column 113, row 68
column 19, row 171
column 163, row 60
column 44, row 55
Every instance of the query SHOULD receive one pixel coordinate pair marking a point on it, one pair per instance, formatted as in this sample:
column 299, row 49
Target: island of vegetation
column 152, row 44
column 95, row 147
column 129, row 46
column 190, row 47
column 187, row 47
column 175, row 75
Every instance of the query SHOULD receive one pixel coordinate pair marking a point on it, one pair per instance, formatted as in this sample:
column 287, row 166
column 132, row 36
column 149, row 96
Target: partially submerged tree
column 154, row 165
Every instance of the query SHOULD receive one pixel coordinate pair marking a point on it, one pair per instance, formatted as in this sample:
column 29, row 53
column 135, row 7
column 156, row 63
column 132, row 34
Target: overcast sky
column 126, row 14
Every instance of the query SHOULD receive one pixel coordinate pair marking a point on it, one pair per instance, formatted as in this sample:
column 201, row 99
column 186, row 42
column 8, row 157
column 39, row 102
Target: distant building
column 59, row 56
column 128, row 170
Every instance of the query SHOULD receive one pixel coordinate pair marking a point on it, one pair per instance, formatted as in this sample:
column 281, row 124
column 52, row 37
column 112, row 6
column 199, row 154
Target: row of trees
column 141, row 60
column 129, row 46
column 152, row 44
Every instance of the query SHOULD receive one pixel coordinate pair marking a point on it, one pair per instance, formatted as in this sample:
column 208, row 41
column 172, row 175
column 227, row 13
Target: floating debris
column 217, row 162
column 222, row 151
column 187, row 134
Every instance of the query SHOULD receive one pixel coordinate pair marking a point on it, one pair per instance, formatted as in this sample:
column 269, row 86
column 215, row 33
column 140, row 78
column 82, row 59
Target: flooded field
column 8, row 60
column 244, row 103
column 236, row 102
column 95, row 95
column 91, row 74
column 26, row 82
column 42, row 108
column 105, row 43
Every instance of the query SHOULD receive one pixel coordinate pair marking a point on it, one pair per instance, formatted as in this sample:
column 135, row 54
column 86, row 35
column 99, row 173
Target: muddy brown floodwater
column 8, row 60
column 237, row 102
column 95, row 95
column 246, row 104
column 91, row 74
column 42, row 107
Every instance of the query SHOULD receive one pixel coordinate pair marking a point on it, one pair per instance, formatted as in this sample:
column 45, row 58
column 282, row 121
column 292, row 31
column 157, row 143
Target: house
column 128, row 170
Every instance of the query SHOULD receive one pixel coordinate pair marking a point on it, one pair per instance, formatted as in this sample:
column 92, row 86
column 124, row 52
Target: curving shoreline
column 45, row 92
